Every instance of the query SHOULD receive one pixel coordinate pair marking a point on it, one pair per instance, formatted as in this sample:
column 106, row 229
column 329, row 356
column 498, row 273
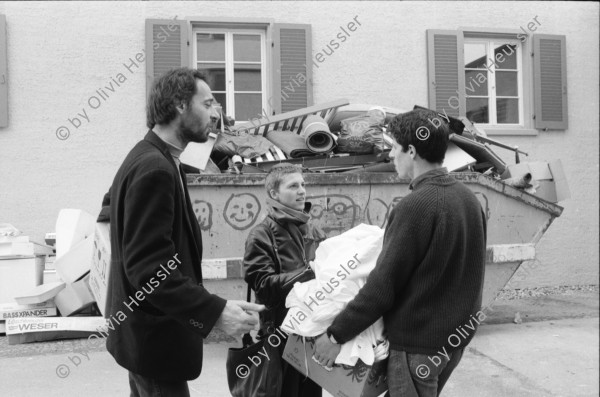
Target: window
column 505, row 82
column 493, row 82
column 255, row 67
column 234, row 62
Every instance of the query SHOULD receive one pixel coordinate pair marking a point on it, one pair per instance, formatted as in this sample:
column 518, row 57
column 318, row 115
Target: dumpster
column 227, row 206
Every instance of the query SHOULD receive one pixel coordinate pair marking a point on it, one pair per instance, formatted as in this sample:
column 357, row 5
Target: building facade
column 74, row 80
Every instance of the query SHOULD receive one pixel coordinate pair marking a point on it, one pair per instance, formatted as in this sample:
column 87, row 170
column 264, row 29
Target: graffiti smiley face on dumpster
column 241, row 210
column 334, row 213
column 203, row 213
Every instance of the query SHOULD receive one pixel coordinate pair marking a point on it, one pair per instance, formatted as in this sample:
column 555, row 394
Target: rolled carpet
column 317, row 135
column 290, row 143
column 315, row 138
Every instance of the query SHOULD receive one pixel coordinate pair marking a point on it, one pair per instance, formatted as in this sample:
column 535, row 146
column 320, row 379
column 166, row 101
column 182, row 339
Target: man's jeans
column 415, row 375
column 142, row 386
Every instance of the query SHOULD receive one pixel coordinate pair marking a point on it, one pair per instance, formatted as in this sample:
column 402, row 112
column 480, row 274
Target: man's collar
column 153, row 137
column 160, row 144
column 427, row 175
column 156, row 141
column 174, row 150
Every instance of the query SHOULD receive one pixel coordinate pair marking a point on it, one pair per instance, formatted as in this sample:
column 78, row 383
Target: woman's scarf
column 281, row 214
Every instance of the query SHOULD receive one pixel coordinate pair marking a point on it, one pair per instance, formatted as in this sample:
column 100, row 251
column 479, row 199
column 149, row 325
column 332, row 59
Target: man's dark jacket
column 158, row 317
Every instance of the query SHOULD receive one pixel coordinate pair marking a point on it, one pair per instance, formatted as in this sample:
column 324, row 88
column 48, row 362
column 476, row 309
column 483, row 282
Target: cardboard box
column 100, row 267
column 50, row 239
column 342, row 381
column 76, row 263
column 550, row 176
column 39, row 294
column 49, row 265
column 546, row 190
column 12, row 249
column 14, row 239
column 14, row 310
column 18, row 276
column 50, row 276
column 456, row 158
column 74, row 298
column 560, row 180
column 198, row 154
column 37, row 329
column 2, row 327
column 539, row 170
column 72, row 227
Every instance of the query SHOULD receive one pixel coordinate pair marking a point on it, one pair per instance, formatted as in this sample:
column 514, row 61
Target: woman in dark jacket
column 276, row 258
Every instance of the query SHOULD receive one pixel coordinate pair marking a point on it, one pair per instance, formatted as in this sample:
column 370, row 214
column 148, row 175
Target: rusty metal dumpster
column 228, row 206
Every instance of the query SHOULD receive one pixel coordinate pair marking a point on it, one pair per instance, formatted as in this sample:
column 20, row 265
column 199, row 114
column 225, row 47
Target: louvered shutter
column 3, row 74
column 550, row 81
column 292, row 63
column 446, row 71
column 167, row 47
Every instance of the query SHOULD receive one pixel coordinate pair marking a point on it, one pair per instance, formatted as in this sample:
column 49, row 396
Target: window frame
column 527, row 127
column 264, row 25
column 491, row 81
column 230, row 63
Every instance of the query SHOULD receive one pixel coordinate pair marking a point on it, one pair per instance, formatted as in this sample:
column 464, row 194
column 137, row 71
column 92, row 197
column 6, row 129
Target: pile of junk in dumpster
column 338, row 137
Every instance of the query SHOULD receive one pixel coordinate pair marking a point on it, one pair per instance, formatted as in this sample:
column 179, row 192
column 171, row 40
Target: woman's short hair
column 276, row 174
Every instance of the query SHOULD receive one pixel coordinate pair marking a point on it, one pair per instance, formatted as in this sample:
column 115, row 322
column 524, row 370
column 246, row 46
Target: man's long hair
column 172, row 89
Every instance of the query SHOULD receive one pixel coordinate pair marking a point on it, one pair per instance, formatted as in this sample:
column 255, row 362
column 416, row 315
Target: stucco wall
column 59, row 54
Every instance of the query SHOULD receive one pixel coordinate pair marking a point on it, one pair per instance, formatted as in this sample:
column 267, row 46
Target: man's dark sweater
column 428, row 280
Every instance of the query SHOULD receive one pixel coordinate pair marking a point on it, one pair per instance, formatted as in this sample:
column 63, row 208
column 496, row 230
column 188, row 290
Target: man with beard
column 158, row 310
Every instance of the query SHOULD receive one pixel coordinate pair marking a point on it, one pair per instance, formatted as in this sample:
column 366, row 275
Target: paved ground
column 554, row 352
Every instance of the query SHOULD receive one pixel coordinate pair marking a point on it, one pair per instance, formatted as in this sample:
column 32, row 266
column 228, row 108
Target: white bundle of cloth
column 342, row 265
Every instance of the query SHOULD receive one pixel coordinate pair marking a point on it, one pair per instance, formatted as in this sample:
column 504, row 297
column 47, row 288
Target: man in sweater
column 428, row 280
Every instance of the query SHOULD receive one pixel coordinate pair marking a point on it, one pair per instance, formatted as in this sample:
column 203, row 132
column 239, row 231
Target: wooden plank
column 249, row 126
column 330, row 161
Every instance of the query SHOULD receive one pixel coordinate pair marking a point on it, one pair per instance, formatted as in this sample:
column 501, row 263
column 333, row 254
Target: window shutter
column 550, row 81
column 446, row 71
column 291, row 83
column 3, row 74
column 167, row 47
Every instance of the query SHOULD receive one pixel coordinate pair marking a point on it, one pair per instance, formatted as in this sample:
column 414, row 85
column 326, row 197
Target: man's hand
column 237, row 319
column 326, row 352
